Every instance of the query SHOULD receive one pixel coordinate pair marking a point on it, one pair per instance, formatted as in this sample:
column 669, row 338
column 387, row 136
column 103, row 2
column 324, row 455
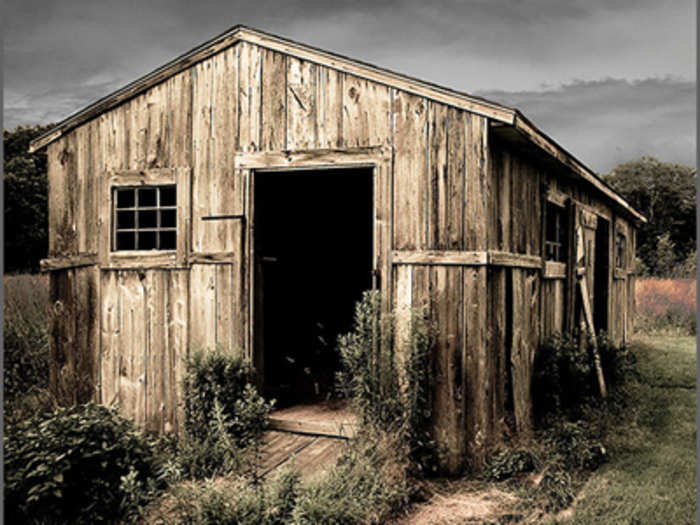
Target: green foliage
column 84, row 464
column 572, row 446
column 506, row 463
column 391, row 393
column 557, row 489
column 237, row 501
column 366, row 486
column 218, row 377
column 665, row 194
column 564, row 377
column 26, row 185
column 225, row 416
column 26, row 347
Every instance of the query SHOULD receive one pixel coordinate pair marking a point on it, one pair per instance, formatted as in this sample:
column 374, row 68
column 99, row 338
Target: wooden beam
column 431, row 257
column 142, row 177
column 63, row 263
column 514, row 259
column 316, row 158
column 211, row 258
column 314, row 428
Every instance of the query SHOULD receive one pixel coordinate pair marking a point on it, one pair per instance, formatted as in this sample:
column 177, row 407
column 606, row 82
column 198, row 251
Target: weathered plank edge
column 64, row 263
column 554, row 270
column 433, row 257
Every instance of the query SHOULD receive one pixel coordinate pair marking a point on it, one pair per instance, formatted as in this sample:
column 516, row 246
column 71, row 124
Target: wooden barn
column 246, row 193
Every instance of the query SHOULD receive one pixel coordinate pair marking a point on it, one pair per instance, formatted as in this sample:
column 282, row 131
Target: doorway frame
column 247, row 164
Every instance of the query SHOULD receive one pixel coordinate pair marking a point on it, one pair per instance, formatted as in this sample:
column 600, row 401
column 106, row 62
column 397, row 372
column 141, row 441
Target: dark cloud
column 610, row 121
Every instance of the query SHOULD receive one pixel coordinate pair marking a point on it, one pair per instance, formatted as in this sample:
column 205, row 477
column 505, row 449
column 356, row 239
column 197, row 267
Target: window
column 620, row 251
column 555, row 239
column 144, row 218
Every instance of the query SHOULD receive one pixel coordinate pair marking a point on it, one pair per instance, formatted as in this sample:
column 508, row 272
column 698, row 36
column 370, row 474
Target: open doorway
column 601, row 275
column 313, row 244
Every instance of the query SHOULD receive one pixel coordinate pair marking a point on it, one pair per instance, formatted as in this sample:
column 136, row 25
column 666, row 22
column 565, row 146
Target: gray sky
column 609, row 80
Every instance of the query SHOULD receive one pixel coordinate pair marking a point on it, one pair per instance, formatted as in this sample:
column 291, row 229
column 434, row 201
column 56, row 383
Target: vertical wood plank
column 249, row 96
column 301, row 104
column 203, row 313
column 451, row 189
column 274, row 103
column 180, row 118
column 224, row 307
column 410, row 171
column 109, row 347
column 476, row 129
column 156, row 289
column 329, row 103
column 202, row 140
column 366, row 112
column 438, row 187
column 178, row 347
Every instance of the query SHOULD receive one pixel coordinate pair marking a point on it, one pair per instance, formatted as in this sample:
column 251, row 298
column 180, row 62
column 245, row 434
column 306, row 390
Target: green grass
column 651, row 476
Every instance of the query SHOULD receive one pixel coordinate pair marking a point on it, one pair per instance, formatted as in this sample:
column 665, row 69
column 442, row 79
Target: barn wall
column 449, row 191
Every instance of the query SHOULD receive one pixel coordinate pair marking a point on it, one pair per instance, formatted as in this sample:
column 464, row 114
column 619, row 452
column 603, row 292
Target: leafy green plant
column 507, row 463
column 572, row 446
column 83, row 464
column 390, row 392
column 225, row 416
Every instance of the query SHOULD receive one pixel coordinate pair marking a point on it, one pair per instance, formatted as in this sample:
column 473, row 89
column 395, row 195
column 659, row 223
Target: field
column 665, row 306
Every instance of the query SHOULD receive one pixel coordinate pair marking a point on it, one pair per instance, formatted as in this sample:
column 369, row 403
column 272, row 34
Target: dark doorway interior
column 313, row 256
column 601, row 275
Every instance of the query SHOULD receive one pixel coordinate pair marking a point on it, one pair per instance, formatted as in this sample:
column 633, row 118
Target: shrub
column 507, row 463
column 224, row 415
column 390, row 393
column 217, row 377
column 571, row 446
column 564, row 377
column 26, row 346
column 83, row 464
column 368, row 484
column 237, row 501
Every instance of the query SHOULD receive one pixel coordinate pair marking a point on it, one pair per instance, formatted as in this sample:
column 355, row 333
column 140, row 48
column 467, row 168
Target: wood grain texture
column 410, row 171
column 366, row 118
column 329, row 103
column 249, row 96
column 274, row 101
column 301, row 104
column 476, row 136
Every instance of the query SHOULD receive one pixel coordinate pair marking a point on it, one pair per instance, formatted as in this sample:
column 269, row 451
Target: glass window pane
column 125, row 219
column 167, row 219
column 168, row 196
column 167, row 240
column 147, row 241
column 147, row 197
column 125, row 198
column 125, row 240
column 148, row 219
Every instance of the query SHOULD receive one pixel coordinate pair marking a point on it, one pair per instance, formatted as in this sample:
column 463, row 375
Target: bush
column 225, row 416
column 217, row 377
column 507, row 463
column 236, row 501
column 390, row 393
column 571, row 446
column 564, row 377
column 83, row 464
column 26, row 346
column 368, row 484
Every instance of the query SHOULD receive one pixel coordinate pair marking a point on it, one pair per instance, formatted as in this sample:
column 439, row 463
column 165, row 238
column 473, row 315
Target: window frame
column 158, row 208
column 620, row 250
column 560, row 230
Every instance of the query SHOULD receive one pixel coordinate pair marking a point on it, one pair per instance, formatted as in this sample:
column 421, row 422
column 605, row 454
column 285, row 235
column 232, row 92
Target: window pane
column 125, row 240
column 147, row 197
column 167, row 219
column 167, row 196
column 125, row 220
column 147, row 240
column 125, row 198
column 167, row 240
column 148, row 219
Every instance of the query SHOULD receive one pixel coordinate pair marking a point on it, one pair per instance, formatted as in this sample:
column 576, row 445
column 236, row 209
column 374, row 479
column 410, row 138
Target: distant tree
column 26, row 194
column 664, row 193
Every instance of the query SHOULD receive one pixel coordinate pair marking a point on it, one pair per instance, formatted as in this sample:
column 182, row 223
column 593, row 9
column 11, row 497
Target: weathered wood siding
column 448, row 189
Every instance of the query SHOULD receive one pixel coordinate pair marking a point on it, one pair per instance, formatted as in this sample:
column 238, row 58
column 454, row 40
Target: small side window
column 144, row 218
column 620, row 251
column 555, row 238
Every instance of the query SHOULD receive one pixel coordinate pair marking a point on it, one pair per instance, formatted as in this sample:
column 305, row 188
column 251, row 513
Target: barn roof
column 506, row 121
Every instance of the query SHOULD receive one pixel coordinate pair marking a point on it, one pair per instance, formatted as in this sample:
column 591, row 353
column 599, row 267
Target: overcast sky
column 609, row 80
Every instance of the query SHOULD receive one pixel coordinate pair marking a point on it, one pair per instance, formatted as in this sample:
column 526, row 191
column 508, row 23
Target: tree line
column 663, row 192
